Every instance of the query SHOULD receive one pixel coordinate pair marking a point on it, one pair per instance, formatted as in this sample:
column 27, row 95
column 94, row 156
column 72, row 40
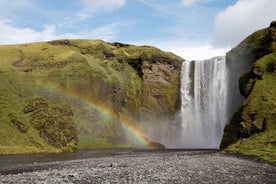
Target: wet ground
column 134, row 166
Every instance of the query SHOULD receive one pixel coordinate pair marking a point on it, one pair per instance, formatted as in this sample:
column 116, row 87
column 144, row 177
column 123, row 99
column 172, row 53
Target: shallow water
column 13, row 160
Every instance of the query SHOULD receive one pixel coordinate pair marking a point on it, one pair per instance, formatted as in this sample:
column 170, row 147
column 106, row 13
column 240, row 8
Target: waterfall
column 203, row 113
column 209, row 97
column 205, row 108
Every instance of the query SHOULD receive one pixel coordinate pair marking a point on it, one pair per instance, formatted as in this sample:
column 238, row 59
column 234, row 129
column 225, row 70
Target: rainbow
column 128, row 125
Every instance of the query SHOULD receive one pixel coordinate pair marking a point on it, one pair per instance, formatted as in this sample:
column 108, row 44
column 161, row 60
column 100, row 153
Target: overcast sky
column 193, row 29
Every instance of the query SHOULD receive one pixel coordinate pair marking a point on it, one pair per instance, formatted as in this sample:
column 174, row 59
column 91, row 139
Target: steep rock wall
column 252, row 128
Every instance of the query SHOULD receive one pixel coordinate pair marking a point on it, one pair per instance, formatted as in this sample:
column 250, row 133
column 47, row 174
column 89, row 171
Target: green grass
column 252, row 130
column 91, row 76
column 260, row 107
column 25, row 149
column 12, row 91
column 261, row 144
column 88, row 142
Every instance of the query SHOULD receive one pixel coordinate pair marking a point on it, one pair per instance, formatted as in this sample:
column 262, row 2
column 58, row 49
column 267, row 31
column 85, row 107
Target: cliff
column 88, row 90
column 252, row 129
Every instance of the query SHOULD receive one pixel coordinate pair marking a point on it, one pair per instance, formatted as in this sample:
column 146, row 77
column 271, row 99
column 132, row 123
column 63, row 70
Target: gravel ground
column 146, row 167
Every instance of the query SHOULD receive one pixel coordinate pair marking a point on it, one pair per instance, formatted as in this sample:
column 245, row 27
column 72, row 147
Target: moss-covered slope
column 252, row 129
column 101, row 82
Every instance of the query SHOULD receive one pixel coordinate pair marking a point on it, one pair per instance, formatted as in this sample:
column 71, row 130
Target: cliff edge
column 252, row 129
column 95, row 93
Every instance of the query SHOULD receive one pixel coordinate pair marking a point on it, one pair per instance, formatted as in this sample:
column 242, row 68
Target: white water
column 204, row 103
column 209, row 97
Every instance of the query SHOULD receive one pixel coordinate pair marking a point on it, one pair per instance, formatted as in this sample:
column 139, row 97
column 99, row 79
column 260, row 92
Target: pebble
column 150, row 167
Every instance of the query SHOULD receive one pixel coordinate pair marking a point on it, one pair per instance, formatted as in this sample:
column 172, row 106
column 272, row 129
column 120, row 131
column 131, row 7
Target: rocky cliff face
column 252, row 128
column 102, row 82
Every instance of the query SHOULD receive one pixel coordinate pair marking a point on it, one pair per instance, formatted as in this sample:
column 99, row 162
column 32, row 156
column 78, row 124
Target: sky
column 192, row 29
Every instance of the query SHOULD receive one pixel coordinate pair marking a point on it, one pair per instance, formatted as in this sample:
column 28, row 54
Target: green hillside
column 65, row 95
column 89, row 88
column 252, row 130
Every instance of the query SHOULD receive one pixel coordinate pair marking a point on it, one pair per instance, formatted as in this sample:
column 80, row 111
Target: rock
column 156, row 145
column 118, row 44
column 272, row 30
column 175, row 167
column 153, row 145
column 139, row 84
column 54, row 123
column 258, row 71
column 35, row 104
column 257, row 113
column 20, row 126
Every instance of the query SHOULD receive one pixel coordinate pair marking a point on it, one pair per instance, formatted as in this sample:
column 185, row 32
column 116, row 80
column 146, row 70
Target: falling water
column 204, row 103
column 209, row 97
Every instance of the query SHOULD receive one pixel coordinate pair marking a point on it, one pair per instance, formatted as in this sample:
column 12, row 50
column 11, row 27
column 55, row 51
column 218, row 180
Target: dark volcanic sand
column 145, row 167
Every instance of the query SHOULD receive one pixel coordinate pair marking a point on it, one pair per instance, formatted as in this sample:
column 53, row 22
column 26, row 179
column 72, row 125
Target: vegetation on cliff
column 54, row 123
column 252, row 129
column 101, row 83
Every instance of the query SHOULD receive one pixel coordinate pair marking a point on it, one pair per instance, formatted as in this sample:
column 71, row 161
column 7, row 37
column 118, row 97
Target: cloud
column 241, row 19
column 93, row 6
column 105, row 5
column 198, row 52
column 10, row 34
column 108, row 32
column 189, row 2
column 11, row 8
column 184, row 49
column 15, row 4
column 193, row 2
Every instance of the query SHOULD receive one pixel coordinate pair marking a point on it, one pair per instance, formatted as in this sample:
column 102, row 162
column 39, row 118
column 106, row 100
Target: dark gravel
column 146, row 167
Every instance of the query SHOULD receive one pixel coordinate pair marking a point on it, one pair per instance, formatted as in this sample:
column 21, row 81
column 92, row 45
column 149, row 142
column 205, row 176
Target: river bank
column 144, row 167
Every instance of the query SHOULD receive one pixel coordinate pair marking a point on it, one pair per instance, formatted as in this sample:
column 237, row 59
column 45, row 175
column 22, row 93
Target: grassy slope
column 252, row 131
column 90, row 75
column 12, row 90
column 259, row 117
